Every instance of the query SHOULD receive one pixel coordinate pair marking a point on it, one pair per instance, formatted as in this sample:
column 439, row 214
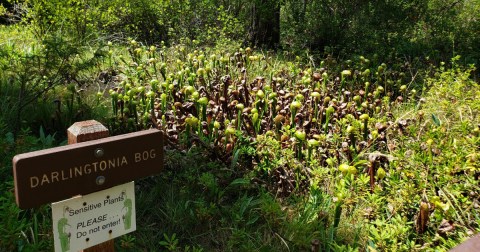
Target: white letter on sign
column 152, row 153
column 145, row 155
column 32, row 183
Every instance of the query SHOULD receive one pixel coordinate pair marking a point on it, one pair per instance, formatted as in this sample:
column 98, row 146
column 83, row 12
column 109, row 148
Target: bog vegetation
column 290, row 125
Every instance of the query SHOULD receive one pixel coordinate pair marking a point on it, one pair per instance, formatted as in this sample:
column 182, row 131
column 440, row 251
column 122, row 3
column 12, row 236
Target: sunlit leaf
column 436, row 120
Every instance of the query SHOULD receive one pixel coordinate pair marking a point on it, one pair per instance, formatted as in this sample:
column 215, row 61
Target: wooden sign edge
column 19, row 157
column 471, row 244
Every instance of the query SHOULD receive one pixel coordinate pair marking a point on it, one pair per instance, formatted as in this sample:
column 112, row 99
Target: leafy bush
column 22, row 230
column 36, row 76
column 147, row 21
column 435, row 28
column 438, row 29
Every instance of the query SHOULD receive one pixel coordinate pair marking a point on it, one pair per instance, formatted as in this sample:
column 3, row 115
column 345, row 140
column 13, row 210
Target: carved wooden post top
column 86, row 131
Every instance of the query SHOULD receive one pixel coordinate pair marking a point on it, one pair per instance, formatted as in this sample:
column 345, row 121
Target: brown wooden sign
column 59, row 173
column 472, row 244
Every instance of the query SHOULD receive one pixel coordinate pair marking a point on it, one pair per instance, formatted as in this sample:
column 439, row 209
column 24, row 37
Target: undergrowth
column 276, row 153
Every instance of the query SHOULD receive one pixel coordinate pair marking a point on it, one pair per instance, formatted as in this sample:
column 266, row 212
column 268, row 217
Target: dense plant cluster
column 222, row 98
column 337, row 130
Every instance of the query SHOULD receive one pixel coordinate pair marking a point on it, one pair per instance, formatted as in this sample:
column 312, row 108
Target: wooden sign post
column 82, row 132
column 92, row 162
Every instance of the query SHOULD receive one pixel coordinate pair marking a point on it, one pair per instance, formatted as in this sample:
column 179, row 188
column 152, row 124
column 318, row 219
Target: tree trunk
column 265, row 28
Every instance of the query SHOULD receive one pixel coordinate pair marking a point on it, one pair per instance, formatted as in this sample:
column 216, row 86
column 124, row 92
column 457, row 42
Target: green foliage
column 147, row 21
column 437, row 154
column 23, row 230
column 170, row 243
column 273, row 152
column 35, row 77
column 407, row 27
column 348, row 25
column 72, row 18
column 387, row 28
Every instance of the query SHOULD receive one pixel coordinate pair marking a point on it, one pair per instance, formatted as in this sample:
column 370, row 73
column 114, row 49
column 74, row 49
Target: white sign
column 85, row 221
